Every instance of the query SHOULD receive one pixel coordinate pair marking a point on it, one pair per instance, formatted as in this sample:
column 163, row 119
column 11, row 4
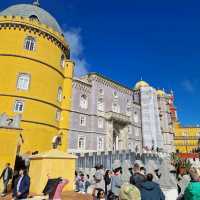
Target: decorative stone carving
column 10, row 122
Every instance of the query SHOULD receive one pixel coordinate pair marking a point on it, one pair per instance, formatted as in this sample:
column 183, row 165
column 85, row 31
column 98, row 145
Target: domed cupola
column 140, row 84
column 32, row 11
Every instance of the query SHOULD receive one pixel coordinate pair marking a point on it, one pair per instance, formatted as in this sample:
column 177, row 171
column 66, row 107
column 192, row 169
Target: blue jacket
column 23, row 188
column 151, row 191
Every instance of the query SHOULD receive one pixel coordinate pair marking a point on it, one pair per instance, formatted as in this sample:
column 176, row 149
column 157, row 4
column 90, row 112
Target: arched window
column 34, row 18
column 62, row 61
column 115, row 94
column 59, row 95
column 101, row 91
column 116, row 108
column 57, row 141
column 81, row 142
column 84, row 101
column 100, row 143
column 58, row 114
column 100, row 104
column 19, row 106
column 136, row 117
column 29, row 43
column 23, row 81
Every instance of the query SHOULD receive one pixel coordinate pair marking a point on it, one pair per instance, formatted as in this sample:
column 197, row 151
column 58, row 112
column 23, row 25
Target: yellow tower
column 35, row 75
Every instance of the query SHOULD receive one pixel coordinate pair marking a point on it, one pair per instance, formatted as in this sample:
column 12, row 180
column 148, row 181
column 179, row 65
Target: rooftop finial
column 36, row 3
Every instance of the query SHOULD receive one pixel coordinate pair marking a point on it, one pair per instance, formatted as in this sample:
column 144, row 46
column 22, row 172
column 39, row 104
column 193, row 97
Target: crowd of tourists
column 139, row 182
column 123, row 182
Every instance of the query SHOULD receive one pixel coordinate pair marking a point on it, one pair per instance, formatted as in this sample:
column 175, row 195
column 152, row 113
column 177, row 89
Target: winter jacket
column 137, row 179
column 192, row 191
column 116, row 183
column 10, row 174
column 151, row 191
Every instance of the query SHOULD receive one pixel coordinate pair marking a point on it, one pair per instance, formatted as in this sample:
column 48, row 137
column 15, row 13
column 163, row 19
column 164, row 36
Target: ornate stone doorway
column 117, row 131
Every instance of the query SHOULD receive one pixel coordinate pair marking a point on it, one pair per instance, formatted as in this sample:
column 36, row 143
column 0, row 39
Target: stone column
column 109, row 136
column 124, row 138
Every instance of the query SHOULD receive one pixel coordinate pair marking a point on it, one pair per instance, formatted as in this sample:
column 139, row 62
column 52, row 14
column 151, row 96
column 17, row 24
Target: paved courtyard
column 65, row 196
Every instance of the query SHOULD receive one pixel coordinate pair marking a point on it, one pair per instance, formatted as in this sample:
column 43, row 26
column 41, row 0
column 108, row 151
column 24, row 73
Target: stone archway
column 117, row 132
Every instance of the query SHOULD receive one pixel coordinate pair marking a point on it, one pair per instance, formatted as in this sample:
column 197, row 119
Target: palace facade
column 107, row 116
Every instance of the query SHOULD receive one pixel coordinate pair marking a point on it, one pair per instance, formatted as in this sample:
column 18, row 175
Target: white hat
column 116, row 164
column 139, row 162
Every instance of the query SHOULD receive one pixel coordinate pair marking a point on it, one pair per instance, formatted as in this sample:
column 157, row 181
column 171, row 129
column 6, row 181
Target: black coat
column 151, row 191
column 10, row 173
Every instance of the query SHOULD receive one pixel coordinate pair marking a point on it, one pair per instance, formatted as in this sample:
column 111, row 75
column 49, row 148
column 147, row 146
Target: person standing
column 116, row 180
column 151, row 190
column 81, row 183
column 137, row 178
column 22, row 185
column 6, row 175
column 107, row 179
column 192, row 191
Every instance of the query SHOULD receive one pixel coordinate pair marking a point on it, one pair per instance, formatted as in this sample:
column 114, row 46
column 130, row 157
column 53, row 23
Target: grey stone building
column 107, row 116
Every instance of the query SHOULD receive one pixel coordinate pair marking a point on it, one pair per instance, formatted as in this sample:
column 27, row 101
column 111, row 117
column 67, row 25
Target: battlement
column 17, row 21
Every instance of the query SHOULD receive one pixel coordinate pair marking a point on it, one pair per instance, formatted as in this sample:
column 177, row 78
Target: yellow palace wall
column 186, row 138
column 10, row 138
column 39, row 122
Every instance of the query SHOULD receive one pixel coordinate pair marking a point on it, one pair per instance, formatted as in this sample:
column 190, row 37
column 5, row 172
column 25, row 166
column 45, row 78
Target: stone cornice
column 81, row 85
column 42, row 30
column 109, row 83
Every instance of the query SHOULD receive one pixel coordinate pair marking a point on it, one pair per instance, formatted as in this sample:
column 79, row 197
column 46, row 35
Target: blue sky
column 126, row 40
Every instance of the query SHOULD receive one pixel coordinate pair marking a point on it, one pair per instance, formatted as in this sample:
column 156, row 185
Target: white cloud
column 73, row 36
column 188, row 85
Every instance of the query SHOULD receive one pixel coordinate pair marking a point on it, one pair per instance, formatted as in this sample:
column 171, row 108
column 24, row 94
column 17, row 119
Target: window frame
column 117, row 107
column 62, row 61
column 115, row 94
column 98, row 139
column 84, row 142
column 34, row 18
column 136, row 120
column 15, row 103
column 85, row 119
column 137, row 132
column 58, row 114
column 59, row 94
column 84, row 103
column 18, row 78
column 100, row 125
column 101, row 91
column 30, row 39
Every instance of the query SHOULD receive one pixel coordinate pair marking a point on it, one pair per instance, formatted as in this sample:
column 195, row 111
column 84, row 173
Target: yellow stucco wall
column 186, row 138
column 39, row 122
column 9, row 139
column 53, row 163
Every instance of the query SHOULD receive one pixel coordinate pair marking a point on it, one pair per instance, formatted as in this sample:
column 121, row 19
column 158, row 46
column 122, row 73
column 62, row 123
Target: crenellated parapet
column 36, row 27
